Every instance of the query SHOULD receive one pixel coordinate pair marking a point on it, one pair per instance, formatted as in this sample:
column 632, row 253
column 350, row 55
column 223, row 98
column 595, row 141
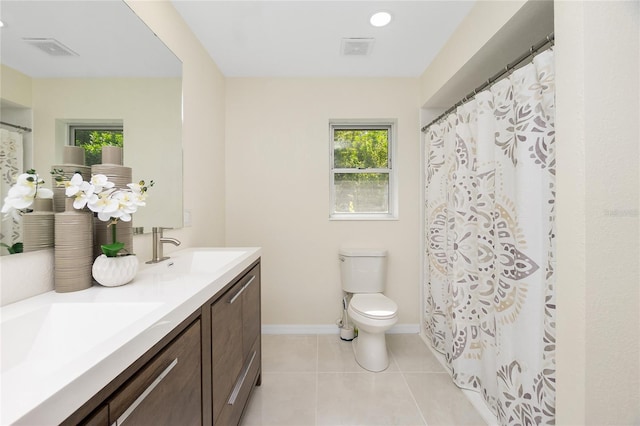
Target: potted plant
column 115, row 266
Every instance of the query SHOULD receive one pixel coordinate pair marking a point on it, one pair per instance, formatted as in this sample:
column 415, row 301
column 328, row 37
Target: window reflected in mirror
column 92, row 138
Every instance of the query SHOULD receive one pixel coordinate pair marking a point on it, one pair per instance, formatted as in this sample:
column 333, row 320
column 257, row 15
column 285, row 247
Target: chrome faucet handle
column 158, row 240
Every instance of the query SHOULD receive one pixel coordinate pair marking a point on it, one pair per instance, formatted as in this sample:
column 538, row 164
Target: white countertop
column 109, row 329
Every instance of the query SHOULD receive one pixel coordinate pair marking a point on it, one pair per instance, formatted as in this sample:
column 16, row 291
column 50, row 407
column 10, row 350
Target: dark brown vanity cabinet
column 166, row 391
column 235, row 348
column 201, row 373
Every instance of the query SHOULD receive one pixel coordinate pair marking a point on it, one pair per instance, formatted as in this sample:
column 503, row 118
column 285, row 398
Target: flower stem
column 113, row 232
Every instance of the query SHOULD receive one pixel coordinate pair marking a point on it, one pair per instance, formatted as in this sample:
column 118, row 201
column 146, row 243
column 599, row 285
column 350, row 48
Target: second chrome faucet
column 158, row 242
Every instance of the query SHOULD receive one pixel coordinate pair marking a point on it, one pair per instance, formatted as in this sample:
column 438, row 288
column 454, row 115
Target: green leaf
column 111, row 250
column 14, row 249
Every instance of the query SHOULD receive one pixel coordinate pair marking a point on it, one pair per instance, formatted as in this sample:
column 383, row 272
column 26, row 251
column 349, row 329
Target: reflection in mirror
column 66, row 65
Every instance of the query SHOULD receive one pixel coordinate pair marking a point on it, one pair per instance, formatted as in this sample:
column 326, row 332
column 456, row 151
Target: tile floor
column 314, row 380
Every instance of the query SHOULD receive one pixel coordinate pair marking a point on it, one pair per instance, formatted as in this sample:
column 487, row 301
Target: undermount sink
column 198, row 261
column 55, row 335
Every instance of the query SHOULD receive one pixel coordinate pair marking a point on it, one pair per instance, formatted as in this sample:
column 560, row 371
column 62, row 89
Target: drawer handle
column 144, row 394
column 240, row 382
column 244, row 287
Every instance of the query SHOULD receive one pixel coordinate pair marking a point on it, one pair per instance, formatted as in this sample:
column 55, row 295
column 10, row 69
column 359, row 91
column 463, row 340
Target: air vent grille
column 357, row 46
column 51, row 46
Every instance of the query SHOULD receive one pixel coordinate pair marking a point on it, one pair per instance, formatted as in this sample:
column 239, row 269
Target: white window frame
column 391, row 169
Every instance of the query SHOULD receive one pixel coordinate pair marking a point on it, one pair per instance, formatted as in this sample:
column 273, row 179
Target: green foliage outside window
column 366, row 189
column 93, row 140
column 360, row 148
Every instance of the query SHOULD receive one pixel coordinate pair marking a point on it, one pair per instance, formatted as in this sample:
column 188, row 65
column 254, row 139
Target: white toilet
column 363, row 274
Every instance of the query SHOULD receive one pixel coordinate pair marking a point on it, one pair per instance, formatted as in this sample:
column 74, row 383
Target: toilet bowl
column 372, row 314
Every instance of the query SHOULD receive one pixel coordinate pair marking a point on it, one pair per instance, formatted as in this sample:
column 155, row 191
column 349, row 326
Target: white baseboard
column 328, row 329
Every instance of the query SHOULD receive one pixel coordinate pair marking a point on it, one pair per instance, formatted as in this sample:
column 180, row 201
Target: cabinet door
column 251, row 311
column 168, row 390
column 226, row 345
column 232, row 387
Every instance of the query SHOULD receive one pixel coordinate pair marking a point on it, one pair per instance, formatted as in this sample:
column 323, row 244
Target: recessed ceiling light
column 380, row 19
column 1, row 24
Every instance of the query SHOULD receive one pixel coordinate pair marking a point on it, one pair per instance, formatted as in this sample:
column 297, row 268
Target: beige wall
column 149, row 108
column 278, row 190
column 482, row 23
column 15, row 86
column 598, row 98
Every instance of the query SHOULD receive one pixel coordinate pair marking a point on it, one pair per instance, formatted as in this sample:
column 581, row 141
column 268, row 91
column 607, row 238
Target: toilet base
column 370, row 350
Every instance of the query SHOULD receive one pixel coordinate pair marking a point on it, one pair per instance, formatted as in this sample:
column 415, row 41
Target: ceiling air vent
column 51, row 46
column 357, row 46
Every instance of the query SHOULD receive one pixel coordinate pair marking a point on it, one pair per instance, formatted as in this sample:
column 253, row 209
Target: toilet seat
column 374, row 306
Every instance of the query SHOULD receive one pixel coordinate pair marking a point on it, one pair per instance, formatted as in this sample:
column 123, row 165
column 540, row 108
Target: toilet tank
column 363, row 270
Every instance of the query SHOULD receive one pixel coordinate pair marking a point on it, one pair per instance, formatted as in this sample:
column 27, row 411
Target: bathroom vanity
column 179, row 345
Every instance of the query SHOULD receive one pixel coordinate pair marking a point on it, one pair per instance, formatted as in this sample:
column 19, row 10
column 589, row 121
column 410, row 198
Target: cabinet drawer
column 167, row 391
column 235, row 403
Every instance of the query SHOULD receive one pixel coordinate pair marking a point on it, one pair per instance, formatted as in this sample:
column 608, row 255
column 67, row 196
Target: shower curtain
column 490, row 244
column 11, row 161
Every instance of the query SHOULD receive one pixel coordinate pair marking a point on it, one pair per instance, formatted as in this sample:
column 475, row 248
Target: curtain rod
column 510, row 67
column 26, row 129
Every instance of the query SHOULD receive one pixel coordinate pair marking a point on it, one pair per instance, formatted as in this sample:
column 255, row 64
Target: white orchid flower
column 101, row 183
column 101, row 197
column 75, row 185
column 104, row 204
column 44, row 193
column 17, row 199
column 21, row 195
column 82, row 200
column 81, row 190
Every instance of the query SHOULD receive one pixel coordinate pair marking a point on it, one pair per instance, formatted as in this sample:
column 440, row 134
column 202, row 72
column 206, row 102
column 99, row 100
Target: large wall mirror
column 91, row 63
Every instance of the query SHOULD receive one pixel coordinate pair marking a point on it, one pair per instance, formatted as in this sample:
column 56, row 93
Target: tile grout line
column 406, row 383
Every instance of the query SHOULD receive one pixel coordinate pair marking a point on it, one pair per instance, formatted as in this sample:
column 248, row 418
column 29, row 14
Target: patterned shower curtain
column 11, row 165
column 490, row 244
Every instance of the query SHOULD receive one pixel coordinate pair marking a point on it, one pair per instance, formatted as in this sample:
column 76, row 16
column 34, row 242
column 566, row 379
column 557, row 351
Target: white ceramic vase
column 114, row 271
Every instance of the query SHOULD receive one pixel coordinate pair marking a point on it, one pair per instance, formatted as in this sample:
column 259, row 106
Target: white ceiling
column 245, row 38
column 302, row 38
column 110, row 40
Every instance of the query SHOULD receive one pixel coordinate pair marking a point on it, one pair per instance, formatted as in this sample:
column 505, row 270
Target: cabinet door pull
column 240, row 382
column 144, row 394
column 235, row 296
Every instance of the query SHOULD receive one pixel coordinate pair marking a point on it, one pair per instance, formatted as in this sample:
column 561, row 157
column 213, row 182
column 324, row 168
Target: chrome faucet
column 158, row 241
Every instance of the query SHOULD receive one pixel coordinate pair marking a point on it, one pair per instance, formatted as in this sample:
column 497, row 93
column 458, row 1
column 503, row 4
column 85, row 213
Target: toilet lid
column 374, row 305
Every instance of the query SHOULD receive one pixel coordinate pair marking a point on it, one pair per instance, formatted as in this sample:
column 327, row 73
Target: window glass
column 93, row 138
column 362, row 179
column 360, row 148
column 361, row 192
